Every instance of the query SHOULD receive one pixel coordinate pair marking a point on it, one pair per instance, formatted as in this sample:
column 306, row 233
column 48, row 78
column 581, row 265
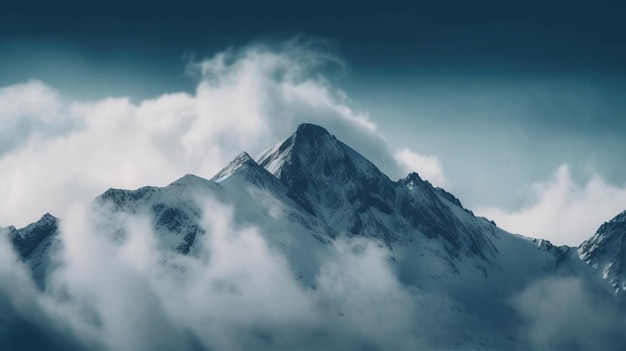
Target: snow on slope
column 256, row 197
column 605, row 252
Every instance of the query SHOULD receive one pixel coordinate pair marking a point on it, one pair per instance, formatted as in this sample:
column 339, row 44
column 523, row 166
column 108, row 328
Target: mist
column 120, row 287
column 122, row 291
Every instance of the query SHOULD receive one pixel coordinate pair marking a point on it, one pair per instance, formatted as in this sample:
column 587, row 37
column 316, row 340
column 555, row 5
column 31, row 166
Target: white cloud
column 428, row 167
column 560, row 313
column 31, row 100
column 561, row 210
column 29, row 110
column 246, row 99
column 238, row 292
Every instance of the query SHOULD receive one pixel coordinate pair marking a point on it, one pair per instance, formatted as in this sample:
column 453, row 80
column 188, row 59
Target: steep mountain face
column 605, row 251
column 324, row 175
column 336, row 184
column 311, row 191
column 321, row 183
column 172, row 215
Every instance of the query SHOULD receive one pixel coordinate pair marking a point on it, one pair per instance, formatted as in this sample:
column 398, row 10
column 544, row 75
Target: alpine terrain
column 310, row 246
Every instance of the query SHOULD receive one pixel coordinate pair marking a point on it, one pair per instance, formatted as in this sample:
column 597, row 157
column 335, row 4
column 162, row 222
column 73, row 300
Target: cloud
column 116, row 287
column 561, row 210
column 29, row 110
column 61, row 152
column 561, row 314
column 428, row 167
column 23, row 321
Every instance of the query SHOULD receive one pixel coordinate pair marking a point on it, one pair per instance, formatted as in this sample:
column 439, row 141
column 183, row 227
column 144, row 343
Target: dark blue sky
column 392, row 40
column 503, row 92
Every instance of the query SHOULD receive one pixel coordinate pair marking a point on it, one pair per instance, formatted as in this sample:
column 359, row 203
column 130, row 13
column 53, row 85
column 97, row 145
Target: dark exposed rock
column 331, row 180
column 604, row 251
column 26, row 240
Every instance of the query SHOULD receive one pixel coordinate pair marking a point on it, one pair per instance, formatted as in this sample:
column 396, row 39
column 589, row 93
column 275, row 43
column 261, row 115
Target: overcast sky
column 518, row 109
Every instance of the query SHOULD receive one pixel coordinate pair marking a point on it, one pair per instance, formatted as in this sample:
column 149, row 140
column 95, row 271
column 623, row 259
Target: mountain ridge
column 313, row 158
column 311, row 191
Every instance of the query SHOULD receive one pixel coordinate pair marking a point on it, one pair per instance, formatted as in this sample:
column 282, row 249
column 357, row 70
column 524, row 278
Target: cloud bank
column 562, row 210
column 115, row 288
column 560, row 313
column 238, row 292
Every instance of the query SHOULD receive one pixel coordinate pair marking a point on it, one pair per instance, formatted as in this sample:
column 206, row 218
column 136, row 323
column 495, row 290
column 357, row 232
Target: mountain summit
column 349, row 193
column 331, row 181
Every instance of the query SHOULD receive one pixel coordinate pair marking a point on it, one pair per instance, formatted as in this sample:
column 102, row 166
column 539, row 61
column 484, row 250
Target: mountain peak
column 308, row 143
column 605, row 251
column 620, row 218
column 411, row 180
column 47, row 217
column 26, row 240
column 314, row 148
column 312, row 151
column 323, row 175
column 242, row 160
column 309, row 130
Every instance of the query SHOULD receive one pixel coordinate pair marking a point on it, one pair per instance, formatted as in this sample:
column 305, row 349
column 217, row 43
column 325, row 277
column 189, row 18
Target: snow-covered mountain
column 34, row 244
column 472, row 284
column 605, row 251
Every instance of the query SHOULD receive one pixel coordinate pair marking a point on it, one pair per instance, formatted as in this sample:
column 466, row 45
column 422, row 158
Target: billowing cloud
column 428, row 167
column 561, row 314
column 118, row 287
column 562, row 210
column 247, row 99
column 238, row 292
column 29, row 110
